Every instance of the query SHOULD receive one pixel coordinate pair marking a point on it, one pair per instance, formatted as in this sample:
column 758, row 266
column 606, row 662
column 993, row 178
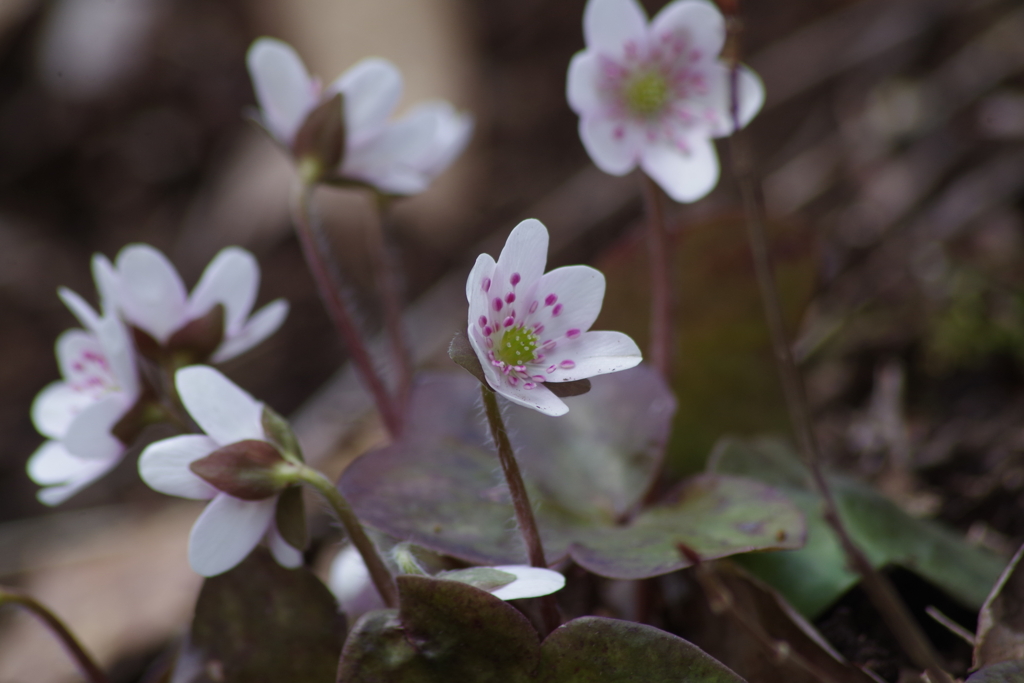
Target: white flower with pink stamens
column 229, row 528
column 398, row 157
column 654, row 94
column 148, row 292
column 529, row 327
column 79, row 412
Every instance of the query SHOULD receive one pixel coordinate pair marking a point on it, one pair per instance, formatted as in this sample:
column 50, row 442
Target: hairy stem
column 317, row 254
column 520, row 500
column 661, row 281
column 379, row 573
column 388, row 274
column 878, row 588
column 82, row 658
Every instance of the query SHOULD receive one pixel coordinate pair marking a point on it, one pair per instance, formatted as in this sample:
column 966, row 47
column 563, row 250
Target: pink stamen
column 550, row 299
column 515, row 279
column 488, row 330
column 538, row 328
column 567, row 364
column 482, row 321
column 533, row 306
column 497, row 303
column 487, row 284
column 572, row 334
column 557, row 310
column 528, row 385
column 513, row 380
column 552, row 368
column 510, row 321
column 510, row 297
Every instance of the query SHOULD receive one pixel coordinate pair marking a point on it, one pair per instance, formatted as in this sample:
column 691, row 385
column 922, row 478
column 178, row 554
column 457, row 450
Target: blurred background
column 891, row 148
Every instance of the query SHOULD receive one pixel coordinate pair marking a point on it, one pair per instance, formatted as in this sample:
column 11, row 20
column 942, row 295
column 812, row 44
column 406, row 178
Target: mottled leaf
column 262, row 623
column 443, row 631
column 447, row 632
column 598, row 650
column 1001, row 621
column 812, row 578
column 440, row 486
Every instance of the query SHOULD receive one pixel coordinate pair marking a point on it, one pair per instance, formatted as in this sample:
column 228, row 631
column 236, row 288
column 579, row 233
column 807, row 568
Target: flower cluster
column 94, row 412
column 654, row 94
column 399, row 157
column 529, row 327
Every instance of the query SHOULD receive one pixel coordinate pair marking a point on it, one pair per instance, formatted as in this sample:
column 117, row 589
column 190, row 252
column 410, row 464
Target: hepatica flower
column 230, row 527
column 149, row 294
column 79, row 413
column 398, row 157
column 529, row 327
column 654, row 94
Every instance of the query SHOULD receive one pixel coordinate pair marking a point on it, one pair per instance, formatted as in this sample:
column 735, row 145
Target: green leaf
column 262, row 623
column 598, row 650
column 447, row 632
column 812, row 578
column 485, row 578
column 440, row 488
column 1001, row 621
column 444, row 631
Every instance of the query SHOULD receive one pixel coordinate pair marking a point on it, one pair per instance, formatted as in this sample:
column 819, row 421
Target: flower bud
column 320, row 143
column 250, row 470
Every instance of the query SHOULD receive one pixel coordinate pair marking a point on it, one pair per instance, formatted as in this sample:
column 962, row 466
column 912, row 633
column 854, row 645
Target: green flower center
column 647, row 93
column 517, row 346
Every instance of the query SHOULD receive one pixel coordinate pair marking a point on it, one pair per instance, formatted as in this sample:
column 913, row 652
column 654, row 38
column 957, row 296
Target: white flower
column 529, row 327
column 654, row 94
column 229, row 528
column 78, row 413
column 349, row 580
column 397, row 157
column 144, row 286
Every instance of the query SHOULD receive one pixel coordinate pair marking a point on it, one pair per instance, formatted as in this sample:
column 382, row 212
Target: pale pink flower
column 655, row 94
column 78, row 413
column 398, row 157
column 147, row 291
column 229, row 528
column 529, row 327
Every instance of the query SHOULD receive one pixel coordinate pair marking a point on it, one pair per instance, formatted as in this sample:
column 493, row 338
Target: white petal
column 685, row 177
column 261, row 325
column 539, row 398
column 78, row 306
column 608, row 25
column 393, row 160
column 594, row 353
column 699, row 21
column 283, row 87
column 749, row 91
column 223, row 410
column 227, row 531
column 482, row 269
column 107, row 283
column 56, row 406
column 164, row 466
column 62, row 473
column 581, row 85
column 232, row 279
column 531, row 582
column 579, row 292
column 119, row 350
column 283, row 552
column 524, row 255
column 614, row 146
column 152, row 294
column 348, row 576
column 451, row 132
column 72, row 346
column 88, row 436
column 372, row 89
